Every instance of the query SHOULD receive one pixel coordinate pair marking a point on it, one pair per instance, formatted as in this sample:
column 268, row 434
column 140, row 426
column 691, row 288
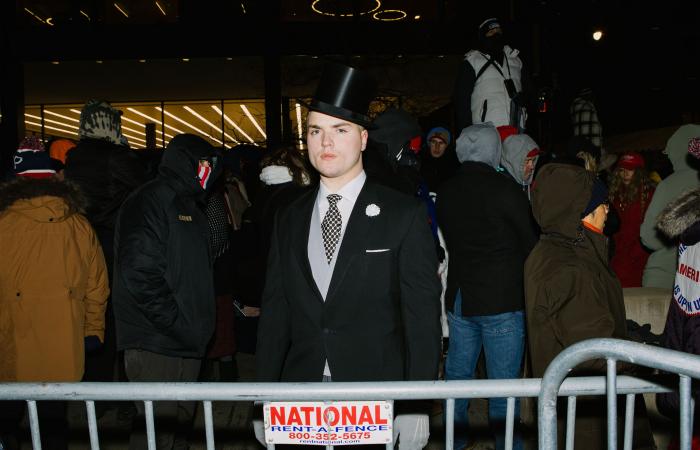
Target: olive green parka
column 571, row 294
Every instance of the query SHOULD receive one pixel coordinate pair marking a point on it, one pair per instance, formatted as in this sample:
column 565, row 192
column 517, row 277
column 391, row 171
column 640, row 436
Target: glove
column 413, row 431
column 92, row 343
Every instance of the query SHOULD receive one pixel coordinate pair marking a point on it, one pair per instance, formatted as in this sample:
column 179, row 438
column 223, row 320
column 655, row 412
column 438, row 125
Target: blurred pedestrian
column 630, row 193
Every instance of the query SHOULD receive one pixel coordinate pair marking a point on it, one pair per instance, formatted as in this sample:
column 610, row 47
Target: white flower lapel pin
column 372, row 210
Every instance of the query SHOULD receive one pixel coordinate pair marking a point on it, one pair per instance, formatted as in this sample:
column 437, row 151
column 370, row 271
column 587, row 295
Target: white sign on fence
column 328, row 423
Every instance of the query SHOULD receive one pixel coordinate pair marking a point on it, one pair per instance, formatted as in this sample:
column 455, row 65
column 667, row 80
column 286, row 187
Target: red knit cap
column 631, row 161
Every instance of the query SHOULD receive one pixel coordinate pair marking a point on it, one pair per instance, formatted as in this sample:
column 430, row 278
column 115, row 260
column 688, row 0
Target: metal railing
column 211, row 392
column 547, row 389
column 686, row 365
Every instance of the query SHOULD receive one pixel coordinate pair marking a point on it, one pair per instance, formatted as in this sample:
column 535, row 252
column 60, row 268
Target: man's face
column 529, row 167
column 494, row 31
column 599, row 216
column 335, row 147
column 437, row 147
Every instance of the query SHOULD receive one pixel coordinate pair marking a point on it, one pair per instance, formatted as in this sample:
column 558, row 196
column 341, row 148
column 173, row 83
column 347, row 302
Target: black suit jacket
column 380, row 319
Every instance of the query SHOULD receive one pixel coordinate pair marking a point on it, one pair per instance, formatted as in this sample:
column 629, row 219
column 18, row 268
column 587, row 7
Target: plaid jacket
column 584, row 120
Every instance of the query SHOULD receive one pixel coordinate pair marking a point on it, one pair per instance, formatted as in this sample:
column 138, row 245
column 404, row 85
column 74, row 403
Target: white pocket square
column 377, row 250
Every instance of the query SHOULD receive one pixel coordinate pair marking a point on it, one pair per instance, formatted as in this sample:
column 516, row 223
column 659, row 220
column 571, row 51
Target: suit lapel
column 355, row 238
column 300, row 236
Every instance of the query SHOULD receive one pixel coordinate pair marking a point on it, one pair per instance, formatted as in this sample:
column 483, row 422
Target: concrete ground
column 233, row 430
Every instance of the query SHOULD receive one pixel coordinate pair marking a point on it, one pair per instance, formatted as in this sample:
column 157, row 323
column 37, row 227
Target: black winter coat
column 163, row 291
column 485, row 219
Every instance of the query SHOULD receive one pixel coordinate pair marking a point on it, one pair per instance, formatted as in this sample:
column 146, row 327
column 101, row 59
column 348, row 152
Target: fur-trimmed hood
column 26, row 189
column 680, row 215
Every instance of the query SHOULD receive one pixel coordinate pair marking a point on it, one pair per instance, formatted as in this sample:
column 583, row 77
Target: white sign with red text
column 686, row 291
column 328, row 423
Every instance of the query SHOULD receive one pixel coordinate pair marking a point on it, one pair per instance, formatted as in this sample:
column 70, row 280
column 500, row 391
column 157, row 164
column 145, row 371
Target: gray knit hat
column 99, row 120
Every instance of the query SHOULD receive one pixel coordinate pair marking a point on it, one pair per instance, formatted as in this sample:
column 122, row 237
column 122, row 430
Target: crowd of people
column 377, row 254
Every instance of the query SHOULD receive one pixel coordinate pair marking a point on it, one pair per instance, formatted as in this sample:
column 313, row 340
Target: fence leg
column 611, row 385
column 150, row 425
column 92, row 425
column 629, row 421
column 34, row 424
column 510, row 422
column 692, row 410
column 570, row 422
column 686, row 425
column 450, row 424
column 209, row 425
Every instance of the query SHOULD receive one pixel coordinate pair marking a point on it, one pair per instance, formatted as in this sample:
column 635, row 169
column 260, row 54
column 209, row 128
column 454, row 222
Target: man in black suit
column 352, row 292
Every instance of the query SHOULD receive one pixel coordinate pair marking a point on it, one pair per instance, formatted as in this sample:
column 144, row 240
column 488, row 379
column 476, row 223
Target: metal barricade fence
column 686, row 365
column 547, row 389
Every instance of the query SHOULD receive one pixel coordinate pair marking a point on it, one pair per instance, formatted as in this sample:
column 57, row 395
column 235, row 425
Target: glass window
column 245, row 122
column 59, row 121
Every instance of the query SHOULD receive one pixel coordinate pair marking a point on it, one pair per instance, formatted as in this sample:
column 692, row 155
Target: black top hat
column 344, row 92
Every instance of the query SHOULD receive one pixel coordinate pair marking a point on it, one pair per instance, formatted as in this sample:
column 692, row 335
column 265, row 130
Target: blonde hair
column 589, row 161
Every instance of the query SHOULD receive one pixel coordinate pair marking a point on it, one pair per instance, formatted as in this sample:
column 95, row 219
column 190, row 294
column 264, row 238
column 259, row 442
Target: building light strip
column 49, row 127
column 173, row 116
column 140, row 133
column 205, row 120
column 232, row 123
column 85, row 14
column 35, row 16
column 71, row 126
column 134, row 138
column 68, row 125
column 200, row 117
column 161, row 8
column 116, row 5
column 252, row 119
column 132, row 130
column 297, row 107
column 46, row 111
column 135, row 111
column 143, row 125
column 134, row 122
column 52, row 121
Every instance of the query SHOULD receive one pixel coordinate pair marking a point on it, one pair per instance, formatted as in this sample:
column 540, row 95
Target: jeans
column 503, row 339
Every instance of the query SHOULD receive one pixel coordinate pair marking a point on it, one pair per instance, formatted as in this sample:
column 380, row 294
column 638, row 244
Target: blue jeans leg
column 504, row 345
column 462, row 356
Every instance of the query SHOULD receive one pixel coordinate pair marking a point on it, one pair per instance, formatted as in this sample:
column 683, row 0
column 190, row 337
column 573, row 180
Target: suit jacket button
column 326, row 331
